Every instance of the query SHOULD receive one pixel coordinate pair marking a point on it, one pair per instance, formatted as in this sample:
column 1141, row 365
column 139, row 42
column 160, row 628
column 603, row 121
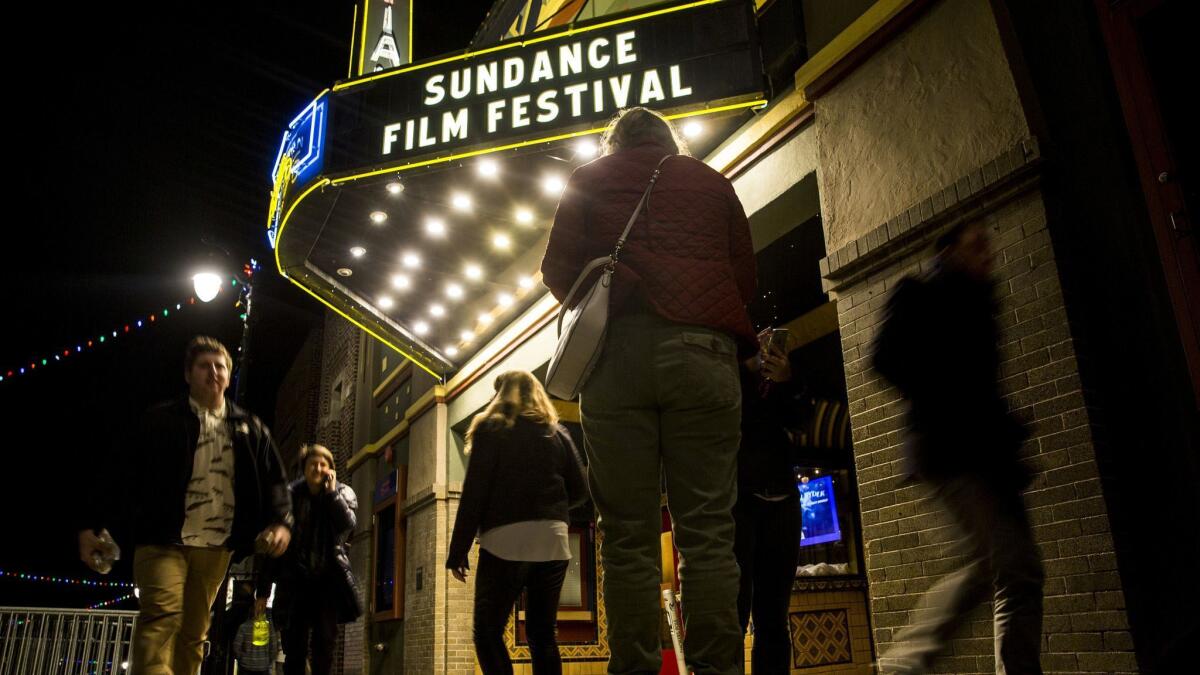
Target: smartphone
column 777, row 339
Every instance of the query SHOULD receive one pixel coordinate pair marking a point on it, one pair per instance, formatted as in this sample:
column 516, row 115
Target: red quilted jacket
column 689, row 252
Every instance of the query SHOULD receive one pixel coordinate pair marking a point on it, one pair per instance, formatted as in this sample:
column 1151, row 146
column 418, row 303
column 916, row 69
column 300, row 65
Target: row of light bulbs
column 487, row 167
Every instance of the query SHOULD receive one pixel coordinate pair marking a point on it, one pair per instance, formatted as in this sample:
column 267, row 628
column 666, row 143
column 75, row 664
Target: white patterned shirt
column 208, row 502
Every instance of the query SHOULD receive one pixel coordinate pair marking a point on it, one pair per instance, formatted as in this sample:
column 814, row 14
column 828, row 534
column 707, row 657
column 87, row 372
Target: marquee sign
column 577, row 78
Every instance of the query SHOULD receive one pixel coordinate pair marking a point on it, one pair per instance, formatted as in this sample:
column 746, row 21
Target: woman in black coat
column 523, row 478
column 315, row 589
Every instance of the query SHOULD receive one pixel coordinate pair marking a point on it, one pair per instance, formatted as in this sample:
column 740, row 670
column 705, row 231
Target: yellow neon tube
column 353, row 29
column 512, row 45
column 279, row 266
column 523, row 144
column 364, row 329
column 362, row 47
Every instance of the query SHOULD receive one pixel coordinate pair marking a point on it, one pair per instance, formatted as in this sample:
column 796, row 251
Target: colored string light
column 137, row 323
column 64, row 581
column 110, row 603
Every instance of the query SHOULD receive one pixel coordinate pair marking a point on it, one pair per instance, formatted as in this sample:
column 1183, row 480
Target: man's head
column 965, row 249
column 317, row 461
column 206, row 369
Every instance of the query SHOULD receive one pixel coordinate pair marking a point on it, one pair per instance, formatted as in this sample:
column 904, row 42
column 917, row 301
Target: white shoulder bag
column 581, row 329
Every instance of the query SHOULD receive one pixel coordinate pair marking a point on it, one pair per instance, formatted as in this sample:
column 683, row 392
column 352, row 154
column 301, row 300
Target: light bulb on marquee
column 358, row 251
column 585, row 148
column 378, row 217
column 488, row 167
column 692, row 129
column 411, row 260
column 501, row 241
column 524, row 216
column 461, row 202
column 474, row 272
column 435, row 227
column 553, row 185
column 401, row 282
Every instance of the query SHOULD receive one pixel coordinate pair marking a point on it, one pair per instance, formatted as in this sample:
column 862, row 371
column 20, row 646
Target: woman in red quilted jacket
column 663, row 404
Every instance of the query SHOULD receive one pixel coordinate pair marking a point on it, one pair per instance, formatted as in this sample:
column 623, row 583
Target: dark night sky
column 135, row 131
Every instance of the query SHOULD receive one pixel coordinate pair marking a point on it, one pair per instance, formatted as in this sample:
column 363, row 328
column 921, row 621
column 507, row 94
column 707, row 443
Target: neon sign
column 300, row 157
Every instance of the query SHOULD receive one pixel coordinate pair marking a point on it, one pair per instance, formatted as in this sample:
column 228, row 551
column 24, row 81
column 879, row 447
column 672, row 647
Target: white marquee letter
column 595, row 58
column 436, row 92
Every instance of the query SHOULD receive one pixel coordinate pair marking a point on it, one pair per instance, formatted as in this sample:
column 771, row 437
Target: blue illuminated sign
column 818, row 512
column 300, row 157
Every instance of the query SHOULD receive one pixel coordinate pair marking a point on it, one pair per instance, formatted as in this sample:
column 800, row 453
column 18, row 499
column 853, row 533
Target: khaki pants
column 664, row 407
column 1002, row 563
column 177, row 585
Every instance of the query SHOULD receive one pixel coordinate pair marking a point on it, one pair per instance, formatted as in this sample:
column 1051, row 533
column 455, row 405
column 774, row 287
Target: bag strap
column 598, row 262
column 610, row 263
column 637, row 211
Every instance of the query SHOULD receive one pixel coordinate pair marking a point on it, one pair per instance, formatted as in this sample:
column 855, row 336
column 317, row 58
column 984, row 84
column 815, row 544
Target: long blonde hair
column 518, row 394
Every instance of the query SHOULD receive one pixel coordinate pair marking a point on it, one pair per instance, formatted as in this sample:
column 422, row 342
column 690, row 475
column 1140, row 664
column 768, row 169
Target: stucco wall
column 930, row 106
column 422, row 453
column 774, row 174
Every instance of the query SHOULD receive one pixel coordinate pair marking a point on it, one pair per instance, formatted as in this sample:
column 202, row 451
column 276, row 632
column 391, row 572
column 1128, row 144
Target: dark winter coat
column 529, row 472
column 153, row 469
column 318, row 556
column 766, row 455
column 938, row 346
column 688, row 256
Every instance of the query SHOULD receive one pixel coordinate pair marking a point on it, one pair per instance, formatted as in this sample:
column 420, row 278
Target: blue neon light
column 304, row 142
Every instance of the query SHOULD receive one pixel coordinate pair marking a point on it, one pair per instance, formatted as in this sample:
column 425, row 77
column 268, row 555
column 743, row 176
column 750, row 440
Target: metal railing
column 44, row 641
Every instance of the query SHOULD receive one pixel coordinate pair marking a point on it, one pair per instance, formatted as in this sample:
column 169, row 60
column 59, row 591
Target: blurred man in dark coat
column 938, row 346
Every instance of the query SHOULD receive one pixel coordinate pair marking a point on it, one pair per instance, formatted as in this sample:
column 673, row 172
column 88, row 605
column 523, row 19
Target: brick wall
column 907, row 539
column 335, row 430
column 420, row 604
column 298, row 401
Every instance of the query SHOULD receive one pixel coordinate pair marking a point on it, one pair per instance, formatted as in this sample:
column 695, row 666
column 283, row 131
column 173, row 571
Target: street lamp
column 207, row 285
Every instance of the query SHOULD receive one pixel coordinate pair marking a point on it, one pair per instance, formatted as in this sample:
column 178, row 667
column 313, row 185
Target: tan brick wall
column 419, row 605
column 335, row 430
column 907, row 538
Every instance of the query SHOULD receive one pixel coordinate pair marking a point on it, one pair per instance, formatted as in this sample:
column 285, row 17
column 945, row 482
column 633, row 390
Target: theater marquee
column 689, row 57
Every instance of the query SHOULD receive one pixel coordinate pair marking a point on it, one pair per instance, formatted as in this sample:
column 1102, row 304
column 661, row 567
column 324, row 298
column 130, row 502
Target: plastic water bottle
column 108, row 554
column 262, row 630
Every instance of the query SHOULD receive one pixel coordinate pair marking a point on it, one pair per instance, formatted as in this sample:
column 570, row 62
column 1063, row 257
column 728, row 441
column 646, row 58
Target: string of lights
column 64, row 581
column 110, row 603
column 84, row 346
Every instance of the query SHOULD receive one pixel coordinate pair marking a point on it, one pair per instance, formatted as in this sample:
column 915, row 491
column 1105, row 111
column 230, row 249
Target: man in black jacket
column 198, row 483
column 315, row 587
column 938, row 346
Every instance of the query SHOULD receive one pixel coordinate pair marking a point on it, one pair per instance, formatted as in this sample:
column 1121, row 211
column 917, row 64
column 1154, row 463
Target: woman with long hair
column 523, row 478
column 663, row 403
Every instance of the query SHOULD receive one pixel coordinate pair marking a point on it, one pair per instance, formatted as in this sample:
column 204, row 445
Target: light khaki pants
column 177, row 585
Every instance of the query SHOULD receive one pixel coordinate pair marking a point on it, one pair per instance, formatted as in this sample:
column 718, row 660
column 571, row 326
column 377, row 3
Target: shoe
column 899, row 666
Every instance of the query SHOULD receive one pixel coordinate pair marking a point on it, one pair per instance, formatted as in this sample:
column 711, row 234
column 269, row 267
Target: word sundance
column 554, row 99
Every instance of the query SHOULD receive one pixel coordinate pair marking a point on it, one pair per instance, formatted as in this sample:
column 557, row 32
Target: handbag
column 583, row 325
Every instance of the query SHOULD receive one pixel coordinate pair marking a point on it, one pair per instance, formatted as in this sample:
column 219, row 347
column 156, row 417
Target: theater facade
column 413, row 201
